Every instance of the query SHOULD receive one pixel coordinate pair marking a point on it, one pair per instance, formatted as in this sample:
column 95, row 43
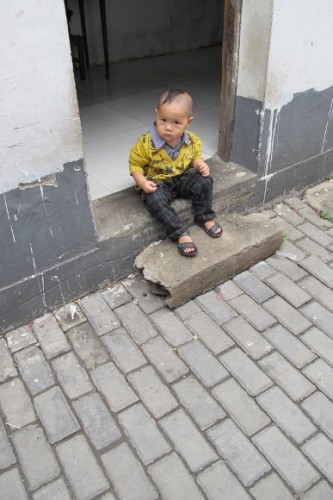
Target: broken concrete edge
column 206, row 275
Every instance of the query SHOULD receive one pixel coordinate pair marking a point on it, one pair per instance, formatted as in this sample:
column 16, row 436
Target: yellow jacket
column 157, row 164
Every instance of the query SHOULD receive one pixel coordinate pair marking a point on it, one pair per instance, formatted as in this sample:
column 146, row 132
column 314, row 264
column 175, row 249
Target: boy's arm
column 137, row 161
column 198, row 161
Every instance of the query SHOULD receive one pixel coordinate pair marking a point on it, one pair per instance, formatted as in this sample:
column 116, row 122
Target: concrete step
column 123, row 215
column 246, row 240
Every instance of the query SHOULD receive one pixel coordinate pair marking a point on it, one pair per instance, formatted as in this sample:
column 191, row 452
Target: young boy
column 166, row 163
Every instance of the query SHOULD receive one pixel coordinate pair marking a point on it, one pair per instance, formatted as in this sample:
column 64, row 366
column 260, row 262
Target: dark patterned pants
column 190, row 184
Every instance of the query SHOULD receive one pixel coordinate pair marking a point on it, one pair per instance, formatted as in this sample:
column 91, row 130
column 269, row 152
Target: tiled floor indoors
column 115, row 112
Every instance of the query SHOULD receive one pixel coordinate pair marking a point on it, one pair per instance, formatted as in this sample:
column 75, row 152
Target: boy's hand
column 202, row 167
column 149, row 186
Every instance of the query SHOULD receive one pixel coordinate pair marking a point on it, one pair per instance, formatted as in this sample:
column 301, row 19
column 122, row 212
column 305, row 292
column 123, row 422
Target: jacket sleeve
column 197, row 153
column 139, row 158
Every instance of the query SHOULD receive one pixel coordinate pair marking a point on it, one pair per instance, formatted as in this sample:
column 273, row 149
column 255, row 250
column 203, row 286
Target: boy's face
column 171, row 121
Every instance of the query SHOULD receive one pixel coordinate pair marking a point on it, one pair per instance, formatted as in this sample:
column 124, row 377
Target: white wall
column 39, row 128
column 300, row 56
column 254, row 48
column 285, row 48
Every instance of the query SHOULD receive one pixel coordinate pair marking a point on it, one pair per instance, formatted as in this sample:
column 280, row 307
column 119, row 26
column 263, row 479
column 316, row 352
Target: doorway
column 115, row 112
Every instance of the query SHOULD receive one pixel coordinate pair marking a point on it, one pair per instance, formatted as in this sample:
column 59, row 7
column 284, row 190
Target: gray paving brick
column 171, row 327
column 36, row 456
column 182, row 485
column 97, row 421
column 238, row 451
column 188, row 441
column 253, row 286
column 287, row 376
column 321, row 374
column 290, row 346
column 321, row 491
column 55, row 414
column 288, row 289
column 124, row 352
column 320, row 452
column 34, row 369
column 291, row 232
column 289, row 462
column 108, row 496
column 164, row 359
column 320, row 317
column 320, row 409
column 287, row 315
column 140, row 290
column 7, row 368
column 127, row 474
column 143, row 433
column 313, row 248
column 286, row 414
column 99, row 314
column 247, row 337
column 218, row 482
column 272, row 484
column 295, row 202
column 318, row 269
column 288, row 214
column 253, row 312
column 55, row 491
column 20, row 338
column 209, row 333
column 73, row 379
column 262, row 270
column 320, row 292
column 241, row 407
column 293, row 251
column 229, row 290
column 81, row 468
column 15, row 404
column 198, row 402
column 11, row 486
column 88, row 346
column 315, row 234
column 136, row 322
column 202, row 363
column 116, row 295
column 319, row 343
column 69, row 315
column 214, row 305
column 7, row 457
column 50, row 336
column 286, row 266
column 312, row 216
column 114, row 387
column 246, row 371
column 187, row 310
column 153, row 393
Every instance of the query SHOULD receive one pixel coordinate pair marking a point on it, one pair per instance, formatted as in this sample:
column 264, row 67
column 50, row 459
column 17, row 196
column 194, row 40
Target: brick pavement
column 229, row 396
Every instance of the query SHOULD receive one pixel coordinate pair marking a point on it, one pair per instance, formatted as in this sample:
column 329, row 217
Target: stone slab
column 246, row 240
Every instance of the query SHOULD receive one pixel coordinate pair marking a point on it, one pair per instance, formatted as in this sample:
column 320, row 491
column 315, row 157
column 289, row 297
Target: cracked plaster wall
column 284, row 103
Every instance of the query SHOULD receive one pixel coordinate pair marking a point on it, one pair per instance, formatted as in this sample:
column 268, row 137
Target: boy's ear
column 190, row 120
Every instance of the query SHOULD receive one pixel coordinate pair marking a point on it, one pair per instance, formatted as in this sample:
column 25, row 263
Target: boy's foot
column 211, row 227
column 186, row 247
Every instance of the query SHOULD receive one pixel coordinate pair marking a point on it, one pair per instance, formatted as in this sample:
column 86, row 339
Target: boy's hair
column 171, row 95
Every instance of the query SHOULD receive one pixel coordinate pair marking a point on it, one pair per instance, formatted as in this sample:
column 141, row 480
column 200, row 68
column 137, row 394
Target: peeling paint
column 50, row 180
column 330, row 116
